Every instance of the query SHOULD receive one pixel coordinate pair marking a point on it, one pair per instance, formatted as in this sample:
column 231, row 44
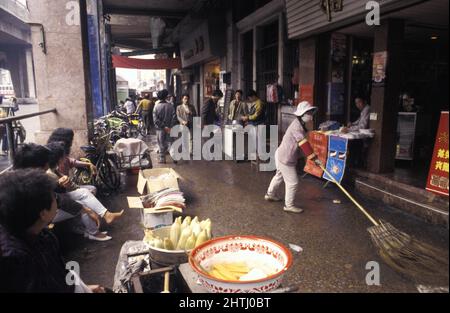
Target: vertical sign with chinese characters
column 438, row 177
column 380, row 60
column 319, row 143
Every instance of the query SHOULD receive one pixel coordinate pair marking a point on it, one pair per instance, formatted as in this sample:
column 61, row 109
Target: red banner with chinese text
column 145, row 64
column 438, row 177
column 319, row 143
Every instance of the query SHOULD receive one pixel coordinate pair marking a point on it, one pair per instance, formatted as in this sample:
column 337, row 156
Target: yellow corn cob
column 168, row 245
column 190, row 243
column 175, row 232
column 225, row 273
column 202, row 237
column 217, row 274
column 186, row 233
column 238, row 268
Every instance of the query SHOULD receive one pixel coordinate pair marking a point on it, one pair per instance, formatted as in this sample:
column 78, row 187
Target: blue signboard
column 337, row 158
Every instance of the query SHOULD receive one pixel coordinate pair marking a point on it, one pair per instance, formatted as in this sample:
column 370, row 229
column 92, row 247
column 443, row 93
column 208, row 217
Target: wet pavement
column 334, row 238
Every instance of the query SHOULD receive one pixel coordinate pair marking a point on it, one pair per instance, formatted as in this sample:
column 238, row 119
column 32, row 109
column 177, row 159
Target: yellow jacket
column 257, row 111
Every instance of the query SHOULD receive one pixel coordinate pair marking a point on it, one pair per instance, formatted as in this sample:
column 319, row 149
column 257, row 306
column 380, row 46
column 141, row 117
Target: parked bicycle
column 135, row 126
column 101, row 155
column 19, row 132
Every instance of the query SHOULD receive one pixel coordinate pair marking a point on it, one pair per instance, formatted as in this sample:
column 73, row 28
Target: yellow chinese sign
column 438, row 179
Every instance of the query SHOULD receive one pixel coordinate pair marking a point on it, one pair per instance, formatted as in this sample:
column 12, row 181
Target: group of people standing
column 166, row 115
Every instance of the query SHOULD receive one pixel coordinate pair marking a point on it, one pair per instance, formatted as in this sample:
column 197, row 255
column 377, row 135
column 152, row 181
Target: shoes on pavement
column 98, row 237
column 271, row 198
column 293, row 210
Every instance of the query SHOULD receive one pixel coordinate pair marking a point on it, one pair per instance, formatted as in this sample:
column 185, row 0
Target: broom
column 401, row 251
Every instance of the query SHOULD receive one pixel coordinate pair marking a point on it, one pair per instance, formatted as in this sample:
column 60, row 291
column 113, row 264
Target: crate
column 134, row 163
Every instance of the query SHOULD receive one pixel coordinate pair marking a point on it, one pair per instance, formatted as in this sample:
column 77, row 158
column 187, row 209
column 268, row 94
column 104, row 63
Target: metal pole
column 10, row 136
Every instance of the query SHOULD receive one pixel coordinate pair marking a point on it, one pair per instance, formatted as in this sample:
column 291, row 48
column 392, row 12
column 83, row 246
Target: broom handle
column 351, row 198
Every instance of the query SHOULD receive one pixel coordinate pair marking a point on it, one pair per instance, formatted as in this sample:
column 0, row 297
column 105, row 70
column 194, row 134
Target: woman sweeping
column 287, row 155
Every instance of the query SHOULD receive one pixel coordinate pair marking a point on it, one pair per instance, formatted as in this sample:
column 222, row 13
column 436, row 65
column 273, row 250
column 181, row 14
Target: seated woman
column 30, row 260
column 76, row 193
column 66, row 135
column 31, row 156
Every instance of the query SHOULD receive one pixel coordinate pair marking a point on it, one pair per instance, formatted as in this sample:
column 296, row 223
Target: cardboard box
column 156, row 180
column 150, row 181
column 151, row 218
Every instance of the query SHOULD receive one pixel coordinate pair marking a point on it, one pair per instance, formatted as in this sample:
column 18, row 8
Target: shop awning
column 142, row 64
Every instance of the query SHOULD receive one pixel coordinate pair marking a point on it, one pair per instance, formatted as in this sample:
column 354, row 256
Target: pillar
column 17, row 64
column 60, row 72
column 384, row 100
column 30, row 74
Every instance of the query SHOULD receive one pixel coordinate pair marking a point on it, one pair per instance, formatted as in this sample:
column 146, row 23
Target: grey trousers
column 84, row 197
column 288, row 175
column 164, row 141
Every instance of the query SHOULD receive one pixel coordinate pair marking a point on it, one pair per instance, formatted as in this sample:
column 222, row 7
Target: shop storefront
column 393, row 67
column 400, row 68
column 265, row 61
column 211, row 77
column 201, row 54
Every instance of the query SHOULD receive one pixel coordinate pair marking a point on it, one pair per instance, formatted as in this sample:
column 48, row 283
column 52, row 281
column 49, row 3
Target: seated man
column 363, row 121
column 30, row 260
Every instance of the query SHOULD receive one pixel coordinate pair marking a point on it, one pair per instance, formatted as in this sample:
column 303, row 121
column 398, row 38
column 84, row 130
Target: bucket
column 165, row 257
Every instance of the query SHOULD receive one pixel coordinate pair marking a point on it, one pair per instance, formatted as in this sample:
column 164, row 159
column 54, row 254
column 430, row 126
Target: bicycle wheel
column 82, row 176
column 135, row 132
column 142, row 129
column 109, row 173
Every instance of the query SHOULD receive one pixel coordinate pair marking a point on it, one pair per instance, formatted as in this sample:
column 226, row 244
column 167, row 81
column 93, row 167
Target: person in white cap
column 287, row 155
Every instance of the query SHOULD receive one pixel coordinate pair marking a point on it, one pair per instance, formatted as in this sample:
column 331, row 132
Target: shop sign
column 439, row 175
column 196, row 47
column 329, row 6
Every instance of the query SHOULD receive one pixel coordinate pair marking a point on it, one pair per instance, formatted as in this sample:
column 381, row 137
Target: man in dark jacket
column 210, row 109
column 30, row 260
column 164, row 117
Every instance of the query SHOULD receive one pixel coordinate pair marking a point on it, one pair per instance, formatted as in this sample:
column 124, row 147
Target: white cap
column 305, row 107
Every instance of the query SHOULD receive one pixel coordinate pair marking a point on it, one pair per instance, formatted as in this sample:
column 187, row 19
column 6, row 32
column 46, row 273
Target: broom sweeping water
column 401, row 251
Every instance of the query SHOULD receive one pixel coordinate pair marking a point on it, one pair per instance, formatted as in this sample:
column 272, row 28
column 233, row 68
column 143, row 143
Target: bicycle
column 135, row 126
column 19, row 132
column 99, row 153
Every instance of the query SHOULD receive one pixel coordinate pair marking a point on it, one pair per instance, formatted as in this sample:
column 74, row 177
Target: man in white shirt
column 363, row 121
column 129, row 106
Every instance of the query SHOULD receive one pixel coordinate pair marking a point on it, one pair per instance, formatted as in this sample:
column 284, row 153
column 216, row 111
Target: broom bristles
column 408, row 255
